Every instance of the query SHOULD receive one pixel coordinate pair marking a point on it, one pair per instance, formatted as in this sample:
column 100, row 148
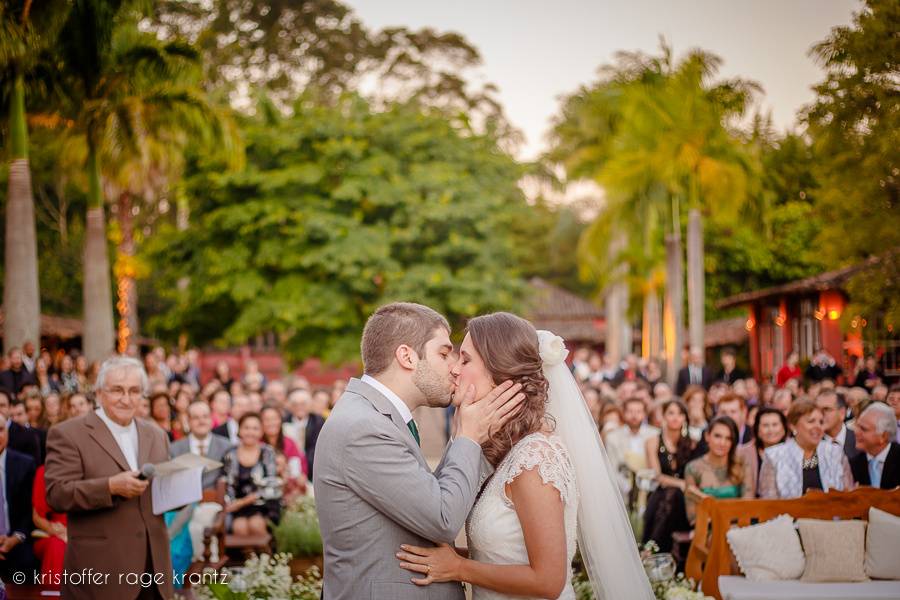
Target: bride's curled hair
column 508, row 346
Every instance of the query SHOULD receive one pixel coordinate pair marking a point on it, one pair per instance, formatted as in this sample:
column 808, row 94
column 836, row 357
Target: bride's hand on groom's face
column 436, row 564
column 478, row 419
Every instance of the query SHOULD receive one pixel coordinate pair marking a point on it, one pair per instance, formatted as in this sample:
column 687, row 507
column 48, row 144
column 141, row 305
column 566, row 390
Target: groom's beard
column 436, row 390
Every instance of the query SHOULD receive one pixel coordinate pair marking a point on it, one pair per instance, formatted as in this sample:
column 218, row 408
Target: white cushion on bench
column 733, row 587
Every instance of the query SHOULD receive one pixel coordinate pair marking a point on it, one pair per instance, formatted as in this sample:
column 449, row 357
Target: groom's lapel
column 385, row 407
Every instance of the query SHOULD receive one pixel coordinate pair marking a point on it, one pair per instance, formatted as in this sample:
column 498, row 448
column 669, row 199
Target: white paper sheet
column 176, row 489
column 187, row 460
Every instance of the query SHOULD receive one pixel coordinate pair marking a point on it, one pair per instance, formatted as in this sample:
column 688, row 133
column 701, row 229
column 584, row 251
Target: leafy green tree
column 855, row 127
column 340, row 209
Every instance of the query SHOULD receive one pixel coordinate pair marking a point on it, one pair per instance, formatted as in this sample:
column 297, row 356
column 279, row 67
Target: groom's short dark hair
column 396, row 324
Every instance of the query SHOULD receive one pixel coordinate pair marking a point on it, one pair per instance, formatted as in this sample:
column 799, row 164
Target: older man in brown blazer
column 116, row 545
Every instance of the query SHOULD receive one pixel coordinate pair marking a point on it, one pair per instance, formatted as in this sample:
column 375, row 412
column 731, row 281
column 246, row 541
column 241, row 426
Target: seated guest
column 321, row 403
column 626, row 446
column 161, row 412
column 202, row 441
column 878, row 463
column 699, row 411
column 834, row 409
column 303, row 426
column 734, row 407
column 75, row 404
column 219, row 404
column 52, row 409
column 50, row 550
column 17, row 471
column 20, row 435
column 247, row 467
column 240, row 405
column 667, row 455
column 293, row 471
column 720, row 473
column 769, row 428
column 790, row 370
column 805, row 461
column 782, row 400
column 893, row 400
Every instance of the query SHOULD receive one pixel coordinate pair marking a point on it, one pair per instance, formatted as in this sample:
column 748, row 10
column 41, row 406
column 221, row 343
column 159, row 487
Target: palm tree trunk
column 125, row 275
column 99, row 334
column 616, row 306
column 651, row 335
column 696, row 283
column 672, row 311
column 21, row 292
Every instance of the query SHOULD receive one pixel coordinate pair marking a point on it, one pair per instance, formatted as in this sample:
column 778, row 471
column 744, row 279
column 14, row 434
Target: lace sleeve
column 551, row 459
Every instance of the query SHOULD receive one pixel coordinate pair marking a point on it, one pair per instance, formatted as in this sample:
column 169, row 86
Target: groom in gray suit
column 373, row 488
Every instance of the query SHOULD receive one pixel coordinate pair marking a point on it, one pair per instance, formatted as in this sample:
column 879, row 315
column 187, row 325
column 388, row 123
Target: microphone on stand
column 147, row 472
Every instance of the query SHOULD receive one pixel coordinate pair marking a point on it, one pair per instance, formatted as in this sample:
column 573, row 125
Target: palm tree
column 27, row 31
column 663, row 147
column 128, row 88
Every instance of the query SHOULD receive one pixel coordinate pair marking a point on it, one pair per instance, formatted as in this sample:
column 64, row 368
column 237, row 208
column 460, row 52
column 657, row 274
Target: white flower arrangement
column 263, row 577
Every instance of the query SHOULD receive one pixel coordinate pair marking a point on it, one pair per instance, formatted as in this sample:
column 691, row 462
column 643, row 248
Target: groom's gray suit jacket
column 374, row 491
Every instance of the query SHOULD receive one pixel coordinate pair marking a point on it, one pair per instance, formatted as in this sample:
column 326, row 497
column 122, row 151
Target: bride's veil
column 605, row 538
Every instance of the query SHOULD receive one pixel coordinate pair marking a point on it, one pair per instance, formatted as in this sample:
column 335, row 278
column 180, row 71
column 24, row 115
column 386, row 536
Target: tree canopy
column 342, row 208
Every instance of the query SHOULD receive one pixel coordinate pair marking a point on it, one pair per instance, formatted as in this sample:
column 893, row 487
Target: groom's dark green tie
column 414, row 430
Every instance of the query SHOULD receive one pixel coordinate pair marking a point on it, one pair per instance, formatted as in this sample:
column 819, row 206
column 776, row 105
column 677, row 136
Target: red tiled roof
column 564, row 313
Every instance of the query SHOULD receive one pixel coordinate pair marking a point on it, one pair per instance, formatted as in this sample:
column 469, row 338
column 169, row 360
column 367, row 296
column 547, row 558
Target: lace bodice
column 493, row 529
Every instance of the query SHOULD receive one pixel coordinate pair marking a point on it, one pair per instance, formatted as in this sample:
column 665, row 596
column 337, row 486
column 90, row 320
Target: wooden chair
column 710, row 556
column 214, row 531
column 240, row 545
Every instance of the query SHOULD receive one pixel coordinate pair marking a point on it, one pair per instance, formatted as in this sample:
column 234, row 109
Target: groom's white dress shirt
column 399, row 404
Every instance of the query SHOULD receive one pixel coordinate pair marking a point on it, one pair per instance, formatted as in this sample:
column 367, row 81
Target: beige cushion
column 835, row 550
column 768, row 551
column 883, row 545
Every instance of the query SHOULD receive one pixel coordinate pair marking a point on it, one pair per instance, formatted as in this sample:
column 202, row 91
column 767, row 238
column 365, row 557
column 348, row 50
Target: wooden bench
column 710, row 556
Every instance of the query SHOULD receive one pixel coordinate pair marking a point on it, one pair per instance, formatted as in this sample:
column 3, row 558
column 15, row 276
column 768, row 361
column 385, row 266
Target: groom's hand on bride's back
column 479, row 418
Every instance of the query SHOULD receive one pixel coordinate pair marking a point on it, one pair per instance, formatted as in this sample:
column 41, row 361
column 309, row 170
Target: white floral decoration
column 552, row 348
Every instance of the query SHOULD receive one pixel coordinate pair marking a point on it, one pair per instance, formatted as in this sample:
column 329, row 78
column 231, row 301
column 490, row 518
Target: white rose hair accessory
column 552, row 348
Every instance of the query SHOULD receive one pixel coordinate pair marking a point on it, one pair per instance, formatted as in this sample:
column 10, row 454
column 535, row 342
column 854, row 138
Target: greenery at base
column 297, row 533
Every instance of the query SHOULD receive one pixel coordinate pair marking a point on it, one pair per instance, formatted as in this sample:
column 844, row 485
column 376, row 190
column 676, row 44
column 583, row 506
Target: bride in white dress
column 552, row 488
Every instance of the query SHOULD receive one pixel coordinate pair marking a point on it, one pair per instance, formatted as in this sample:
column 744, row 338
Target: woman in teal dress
column 719, row 473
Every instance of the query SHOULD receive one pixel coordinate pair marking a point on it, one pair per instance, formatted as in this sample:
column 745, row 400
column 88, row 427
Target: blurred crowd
column 262, row 430
column 722, row 433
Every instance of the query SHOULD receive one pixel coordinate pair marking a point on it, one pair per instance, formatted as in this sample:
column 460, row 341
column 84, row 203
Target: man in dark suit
column 730, row 372
column 735, row 407
column 20, row 438
column 303, row 426
column 834, row 408
column 695, row 373
column 878, row 463
column 93, row 463
column 16, row 480
column 16, row 376
column 201, row 441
